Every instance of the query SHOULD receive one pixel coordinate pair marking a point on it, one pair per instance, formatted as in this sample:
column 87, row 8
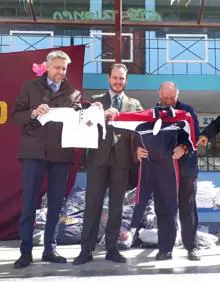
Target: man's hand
column 141, row 153
column 110, row 113
column 40, row 110
column 178, row 152
column 203, row 140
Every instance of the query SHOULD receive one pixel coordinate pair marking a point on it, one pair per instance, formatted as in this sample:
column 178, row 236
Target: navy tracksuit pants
column 161, row 179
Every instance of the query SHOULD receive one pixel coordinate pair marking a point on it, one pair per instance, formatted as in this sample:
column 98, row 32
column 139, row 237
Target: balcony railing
column 153, row 52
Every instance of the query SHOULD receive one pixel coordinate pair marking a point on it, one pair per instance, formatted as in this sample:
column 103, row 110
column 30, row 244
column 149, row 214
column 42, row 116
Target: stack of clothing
column 206, row 192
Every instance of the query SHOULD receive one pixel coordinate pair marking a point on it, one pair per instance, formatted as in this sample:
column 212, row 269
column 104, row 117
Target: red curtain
column 15, row 68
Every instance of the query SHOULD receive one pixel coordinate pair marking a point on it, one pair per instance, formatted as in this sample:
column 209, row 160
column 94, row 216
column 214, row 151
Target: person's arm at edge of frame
column 209, row 131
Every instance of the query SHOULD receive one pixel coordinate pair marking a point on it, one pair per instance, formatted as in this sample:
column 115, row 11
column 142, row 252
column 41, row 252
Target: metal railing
column 207, row 163
column 150, row 51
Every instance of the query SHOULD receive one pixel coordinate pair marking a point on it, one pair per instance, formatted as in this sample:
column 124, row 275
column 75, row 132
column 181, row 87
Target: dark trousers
column 33, row 172
column 188, row 211
column 98, row 180
column 144, row 194
column 165, row 189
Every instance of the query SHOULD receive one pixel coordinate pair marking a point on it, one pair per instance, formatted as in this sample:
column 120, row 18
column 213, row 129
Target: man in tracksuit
column 188, row 170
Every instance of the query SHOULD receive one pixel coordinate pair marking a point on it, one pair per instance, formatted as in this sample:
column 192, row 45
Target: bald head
column 168, row 93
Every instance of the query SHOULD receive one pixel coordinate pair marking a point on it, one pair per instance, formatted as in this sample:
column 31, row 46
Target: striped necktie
column 53, row 87
column 116, row 102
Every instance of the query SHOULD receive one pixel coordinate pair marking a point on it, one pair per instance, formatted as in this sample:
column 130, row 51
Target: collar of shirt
column 49, row 82
column 113, row 94
column 175, row 107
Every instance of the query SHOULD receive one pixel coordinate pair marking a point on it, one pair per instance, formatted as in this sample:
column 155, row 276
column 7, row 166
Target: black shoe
column 136, row 241
column 194, row 254
column 24, row 260
column 115, row 256
column 163, row 255
column 82, row 258
column 52, row 256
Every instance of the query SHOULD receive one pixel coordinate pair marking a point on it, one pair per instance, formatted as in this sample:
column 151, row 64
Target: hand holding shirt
column 79, row 127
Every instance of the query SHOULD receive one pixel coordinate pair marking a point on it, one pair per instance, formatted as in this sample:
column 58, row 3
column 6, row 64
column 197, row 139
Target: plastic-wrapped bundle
column 71, row 222
column 149, row 220
column 75, row 203
column 70, row 229
column 40, row 221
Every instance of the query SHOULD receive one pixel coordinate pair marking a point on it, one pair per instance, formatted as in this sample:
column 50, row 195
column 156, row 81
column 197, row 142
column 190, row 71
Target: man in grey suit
column 108, row 167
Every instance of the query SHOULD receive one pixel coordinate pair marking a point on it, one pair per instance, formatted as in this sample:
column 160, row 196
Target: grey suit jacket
column 116, row 139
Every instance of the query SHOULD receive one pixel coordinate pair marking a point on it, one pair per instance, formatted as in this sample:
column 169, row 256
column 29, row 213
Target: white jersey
column 79, row 127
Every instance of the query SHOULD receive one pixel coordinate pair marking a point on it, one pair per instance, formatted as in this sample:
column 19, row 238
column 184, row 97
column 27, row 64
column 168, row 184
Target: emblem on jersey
column 89, row 123
column 157, row 126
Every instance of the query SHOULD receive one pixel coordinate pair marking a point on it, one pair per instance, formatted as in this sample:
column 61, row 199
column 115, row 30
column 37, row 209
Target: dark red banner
column 15, row 69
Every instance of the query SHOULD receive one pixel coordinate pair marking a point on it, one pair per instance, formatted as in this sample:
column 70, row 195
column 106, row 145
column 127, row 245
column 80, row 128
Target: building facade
column 158, row 44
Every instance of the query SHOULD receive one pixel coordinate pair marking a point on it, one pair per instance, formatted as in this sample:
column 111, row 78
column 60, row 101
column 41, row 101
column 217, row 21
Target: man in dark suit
column 108, row 167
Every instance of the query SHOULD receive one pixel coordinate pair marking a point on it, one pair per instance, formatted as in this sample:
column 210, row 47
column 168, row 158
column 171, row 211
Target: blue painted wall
column 152, row 82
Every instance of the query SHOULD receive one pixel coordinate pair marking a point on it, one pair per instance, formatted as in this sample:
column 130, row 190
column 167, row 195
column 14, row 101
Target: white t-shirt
column 79, row 127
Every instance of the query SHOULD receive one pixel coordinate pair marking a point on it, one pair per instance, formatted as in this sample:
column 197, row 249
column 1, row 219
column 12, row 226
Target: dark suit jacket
column 116, row 139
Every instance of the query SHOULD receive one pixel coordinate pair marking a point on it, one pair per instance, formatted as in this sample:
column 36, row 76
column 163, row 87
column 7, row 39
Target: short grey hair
column 58, row 54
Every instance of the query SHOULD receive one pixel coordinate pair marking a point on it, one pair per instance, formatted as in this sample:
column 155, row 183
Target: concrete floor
column 141, row 266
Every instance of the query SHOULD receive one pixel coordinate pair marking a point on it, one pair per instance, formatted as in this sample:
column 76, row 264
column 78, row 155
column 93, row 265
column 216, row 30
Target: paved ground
column 140, row 266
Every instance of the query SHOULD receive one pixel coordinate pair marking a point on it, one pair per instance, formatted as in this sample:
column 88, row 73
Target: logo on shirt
column 89, row 123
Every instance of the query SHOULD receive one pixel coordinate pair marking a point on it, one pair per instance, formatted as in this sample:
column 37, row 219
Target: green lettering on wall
column 130, row 15
column 108, row 15
column 57, row 15
column 67, row 15
column 133, row 14
column 78, row 15
column 90, row 16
